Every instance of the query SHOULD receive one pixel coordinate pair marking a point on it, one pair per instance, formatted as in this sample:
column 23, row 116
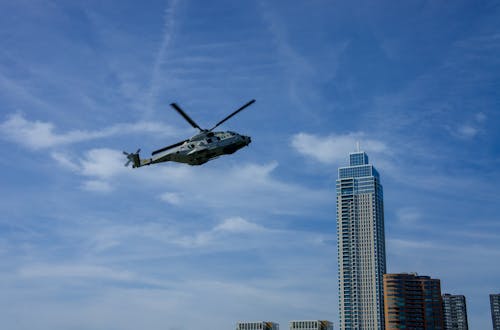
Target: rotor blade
column 223, row 120
column 185, row 116
column 127, row 154
column 169, row 147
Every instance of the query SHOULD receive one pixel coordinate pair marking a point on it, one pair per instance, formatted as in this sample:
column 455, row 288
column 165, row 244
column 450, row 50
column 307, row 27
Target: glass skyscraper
column 361, row 245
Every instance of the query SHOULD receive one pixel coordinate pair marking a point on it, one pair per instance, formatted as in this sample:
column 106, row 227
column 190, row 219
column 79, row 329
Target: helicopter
column 197, row 150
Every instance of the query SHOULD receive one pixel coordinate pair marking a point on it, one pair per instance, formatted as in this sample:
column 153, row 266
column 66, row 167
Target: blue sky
column 86, row 243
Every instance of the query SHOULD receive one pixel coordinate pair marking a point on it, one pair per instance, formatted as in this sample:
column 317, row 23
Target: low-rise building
column 311, row 325
column 257, row 325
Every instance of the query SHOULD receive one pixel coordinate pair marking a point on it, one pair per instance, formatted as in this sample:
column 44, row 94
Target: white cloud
column 333, row 149
column 399, row 245
column 98, row 166
column 222, row 236
column 103, row 163
column 65, row 161
column 467, row 131
column 171, row 198
column 168, row 31
column 35, row 134
column 15, row 89
column 41, row 135
column 76, row 270
column 238, row 225
column 408, row 215
column 99, row 163
column 480, row 117
column 219, row 304
column 246, row 186
column 97, row 186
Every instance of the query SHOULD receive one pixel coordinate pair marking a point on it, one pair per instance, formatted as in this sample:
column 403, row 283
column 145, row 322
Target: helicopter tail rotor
column 133, row 158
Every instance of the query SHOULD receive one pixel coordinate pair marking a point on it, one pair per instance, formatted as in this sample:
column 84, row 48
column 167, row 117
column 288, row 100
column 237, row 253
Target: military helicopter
column 197, row 150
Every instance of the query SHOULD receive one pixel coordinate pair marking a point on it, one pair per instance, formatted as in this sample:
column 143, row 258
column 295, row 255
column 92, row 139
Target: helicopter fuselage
column 200, row 148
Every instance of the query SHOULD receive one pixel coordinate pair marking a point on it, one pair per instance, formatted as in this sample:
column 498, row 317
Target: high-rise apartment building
column 257, row 325
column 403, row 302
column 454, row 312
column 311, row 325
column 495, row 310
column 433, row 303
column 361, row 245
column 412, row 302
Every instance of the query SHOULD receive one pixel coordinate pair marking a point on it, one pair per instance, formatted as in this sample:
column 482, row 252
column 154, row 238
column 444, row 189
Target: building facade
column 433, row 303
column 257, row 325
column 361, row 245
column 412, row 302
column 495, row 310
column 311, row 325
column 454, row 312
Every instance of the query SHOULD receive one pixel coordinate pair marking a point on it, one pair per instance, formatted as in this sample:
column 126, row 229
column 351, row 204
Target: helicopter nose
column 248, row 139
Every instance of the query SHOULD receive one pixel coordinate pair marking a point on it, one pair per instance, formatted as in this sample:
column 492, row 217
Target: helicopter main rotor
column 185, row 116
column 195, row 125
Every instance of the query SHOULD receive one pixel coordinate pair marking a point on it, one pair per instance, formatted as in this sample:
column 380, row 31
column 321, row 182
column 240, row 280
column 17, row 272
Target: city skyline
column 88, row 243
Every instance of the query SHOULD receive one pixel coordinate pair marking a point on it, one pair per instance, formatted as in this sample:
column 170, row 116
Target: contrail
column 168, row 31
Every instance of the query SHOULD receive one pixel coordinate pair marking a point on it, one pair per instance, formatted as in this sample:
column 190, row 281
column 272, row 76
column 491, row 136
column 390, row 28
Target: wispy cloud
column 408, row 216
column 172, row 198
column 72, row 271
column 42, row 135
column 97, row 186
column 222, row 235
column 208, row 186
column 65, row 161
column 160, row 58
column 102, row 163
column 302, row 73
column 13, row 88
column 332, row 149
column 238, row 225
column 97, row 166
column 471, row 128
column 467, row 131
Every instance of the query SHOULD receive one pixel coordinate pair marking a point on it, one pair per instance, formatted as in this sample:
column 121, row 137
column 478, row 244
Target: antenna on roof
column 357, row 146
